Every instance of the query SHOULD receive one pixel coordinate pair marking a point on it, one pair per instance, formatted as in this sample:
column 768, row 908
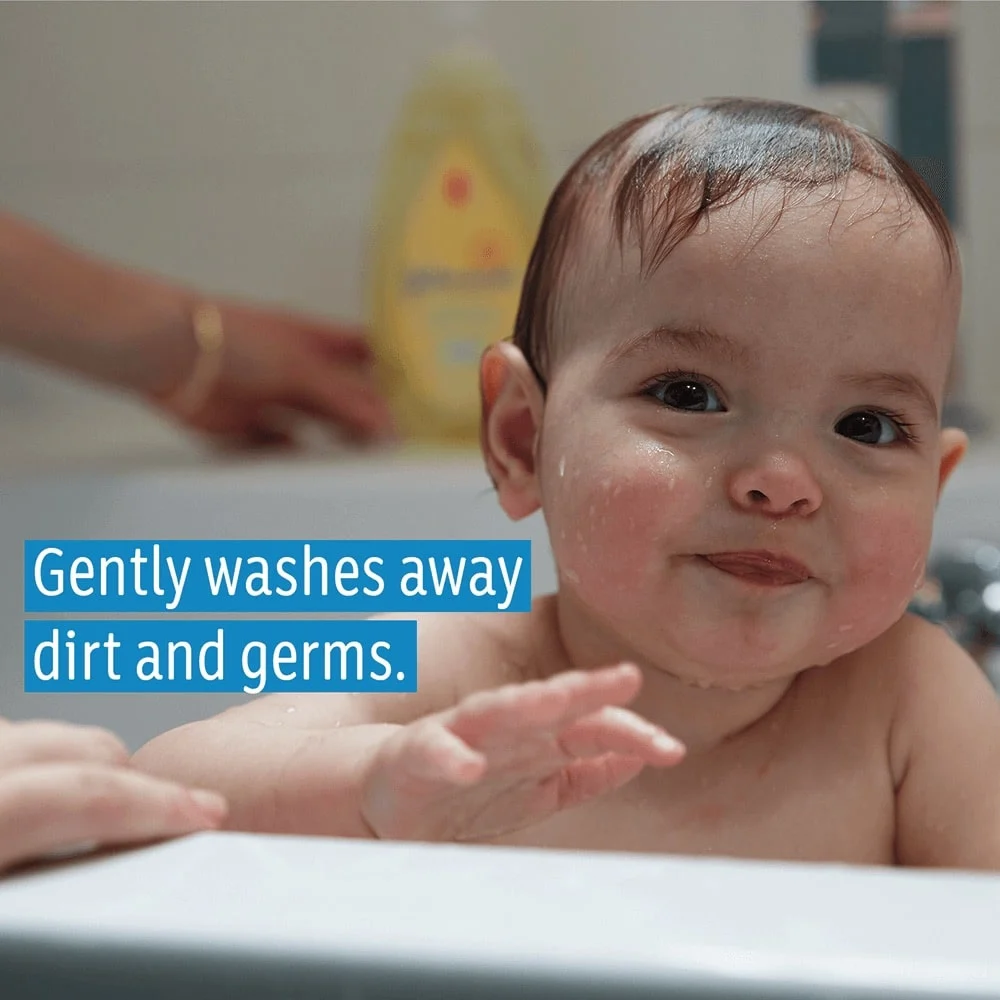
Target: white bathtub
column 283, row 918
column 404, row 498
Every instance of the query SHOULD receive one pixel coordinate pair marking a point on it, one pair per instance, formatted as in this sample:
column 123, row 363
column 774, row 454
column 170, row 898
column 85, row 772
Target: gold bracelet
column 206, row 321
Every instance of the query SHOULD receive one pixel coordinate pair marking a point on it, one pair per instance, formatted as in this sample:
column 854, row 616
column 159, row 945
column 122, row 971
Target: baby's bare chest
column 823, row 803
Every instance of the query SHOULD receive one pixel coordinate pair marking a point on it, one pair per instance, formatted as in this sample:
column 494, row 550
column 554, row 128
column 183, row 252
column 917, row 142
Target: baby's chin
column 718, row 652
column 756, row 672
column 733, row 667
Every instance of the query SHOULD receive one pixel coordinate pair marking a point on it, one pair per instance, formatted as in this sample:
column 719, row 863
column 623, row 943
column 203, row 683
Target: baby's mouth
column 766, row 569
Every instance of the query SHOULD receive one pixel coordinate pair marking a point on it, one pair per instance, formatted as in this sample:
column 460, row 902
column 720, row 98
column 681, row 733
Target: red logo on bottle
column 457, row 187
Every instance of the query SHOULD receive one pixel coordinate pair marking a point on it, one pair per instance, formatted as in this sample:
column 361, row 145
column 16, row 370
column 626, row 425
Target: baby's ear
column 512, row 419
column 954, row 444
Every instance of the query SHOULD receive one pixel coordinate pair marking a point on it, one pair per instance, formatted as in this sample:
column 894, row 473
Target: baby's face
column 740, row 454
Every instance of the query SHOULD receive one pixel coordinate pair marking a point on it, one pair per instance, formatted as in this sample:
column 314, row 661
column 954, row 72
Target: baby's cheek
column 613, row 521
column 885, row 563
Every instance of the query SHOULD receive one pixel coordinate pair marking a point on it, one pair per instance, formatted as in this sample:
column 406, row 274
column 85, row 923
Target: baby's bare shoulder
column 917, row 663
column 884, row 668
column 945, row 753
column 461, row 653
column 872, row 691
column 938, row 687
column 906, row 682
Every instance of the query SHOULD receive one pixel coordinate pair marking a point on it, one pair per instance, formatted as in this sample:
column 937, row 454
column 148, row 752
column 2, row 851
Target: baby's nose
column 776, row 485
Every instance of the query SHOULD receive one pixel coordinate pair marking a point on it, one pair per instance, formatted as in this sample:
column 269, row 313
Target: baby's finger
column 617, row 730
column 39, row 742
column 49, row 807
column 549, row 704
column 588, row 691
column 587, row 779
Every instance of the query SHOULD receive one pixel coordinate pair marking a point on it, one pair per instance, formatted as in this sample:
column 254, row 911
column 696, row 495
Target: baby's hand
column 504, row 759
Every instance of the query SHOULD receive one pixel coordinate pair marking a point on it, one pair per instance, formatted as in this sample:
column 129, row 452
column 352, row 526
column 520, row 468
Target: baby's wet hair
column 659, row 174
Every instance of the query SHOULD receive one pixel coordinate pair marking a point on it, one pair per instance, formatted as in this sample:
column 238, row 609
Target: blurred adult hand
column 274, row 367
column 239, row 373
column 71, row 788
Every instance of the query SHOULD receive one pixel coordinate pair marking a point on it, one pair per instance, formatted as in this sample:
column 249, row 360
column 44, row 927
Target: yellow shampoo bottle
column 461, row 198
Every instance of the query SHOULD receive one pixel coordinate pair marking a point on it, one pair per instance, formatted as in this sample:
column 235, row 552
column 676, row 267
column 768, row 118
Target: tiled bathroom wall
column 236, row 145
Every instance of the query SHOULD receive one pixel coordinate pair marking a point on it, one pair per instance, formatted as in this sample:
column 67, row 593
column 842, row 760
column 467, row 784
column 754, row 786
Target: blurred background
column 237, row 146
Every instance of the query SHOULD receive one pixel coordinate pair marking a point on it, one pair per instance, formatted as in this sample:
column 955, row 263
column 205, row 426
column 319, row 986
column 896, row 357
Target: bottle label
column 462, row 259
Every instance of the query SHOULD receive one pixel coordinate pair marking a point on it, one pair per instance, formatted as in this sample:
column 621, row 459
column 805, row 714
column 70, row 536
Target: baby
column 724, row 392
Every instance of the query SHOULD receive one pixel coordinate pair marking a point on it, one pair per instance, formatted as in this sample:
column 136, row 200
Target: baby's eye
column 870, row 427
column 686, row 394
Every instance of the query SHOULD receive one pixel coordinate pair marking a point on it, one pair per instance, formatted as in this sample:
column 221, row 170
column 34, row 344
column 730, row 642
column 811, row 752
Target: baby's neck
column 702, row 716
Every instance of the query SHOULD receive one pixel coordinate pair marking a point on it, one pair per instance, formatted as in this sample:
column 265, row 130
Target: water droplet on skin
column 571, row 576
column 562, row 466
column 290, row 710
column 846, row 628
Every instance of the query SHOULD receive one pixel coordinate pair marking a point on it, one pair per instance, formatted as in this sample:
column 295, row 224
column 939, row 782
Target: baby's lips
column 781, row 568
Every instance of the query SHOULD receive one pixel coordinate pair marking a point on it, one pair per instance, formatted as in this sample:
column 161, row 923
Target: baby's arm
column 945, row 751
column 295, row 762
column 453, row 762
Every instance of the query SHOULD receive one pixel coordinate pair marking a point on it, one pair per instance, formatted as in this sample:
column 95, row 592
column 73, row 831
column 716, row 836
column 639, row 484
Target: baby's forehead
column 852, row 223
